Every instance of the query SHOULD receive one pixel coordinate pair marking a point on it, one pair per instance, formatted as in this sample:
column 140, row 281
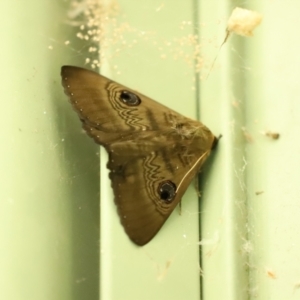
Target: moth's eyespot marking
column 129, row 98
column 167, row 191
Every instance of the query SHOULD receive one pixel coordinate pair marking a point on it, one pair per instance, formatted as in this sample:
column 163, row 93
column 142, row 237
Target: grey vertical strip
column 197, row 99
column 197, row 74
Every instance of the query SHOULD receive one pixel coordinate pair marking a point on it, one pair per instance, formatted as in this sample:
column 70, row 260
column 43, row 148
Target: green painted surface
column 49, row 207
column 49, row 195
column 167, row 267
column 252, row 215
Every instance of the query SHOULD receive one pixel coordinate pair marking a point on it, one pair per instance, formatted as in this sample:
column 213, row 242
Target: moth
column 154, row 152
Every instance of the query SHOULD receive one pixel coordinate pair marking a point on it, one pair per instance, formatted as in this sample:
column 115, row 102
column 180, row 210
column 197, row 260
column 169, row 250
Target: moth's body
column 154, row 152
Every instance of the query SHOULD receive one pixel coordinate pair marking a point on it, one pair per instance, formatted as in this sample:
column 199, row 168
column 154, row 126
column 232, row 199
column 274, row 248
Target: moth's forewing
column 154, row 152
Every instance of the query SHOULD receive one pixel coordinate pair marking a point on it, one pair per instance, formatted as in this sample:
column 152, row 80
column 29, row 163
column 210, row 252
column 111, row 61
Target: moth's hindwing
column 154, row 152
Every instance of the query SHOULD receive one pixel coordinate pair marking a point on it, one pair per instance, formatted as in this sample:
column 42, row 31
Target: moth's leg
column 196, row 185
column 215, row 142
column 179, row 207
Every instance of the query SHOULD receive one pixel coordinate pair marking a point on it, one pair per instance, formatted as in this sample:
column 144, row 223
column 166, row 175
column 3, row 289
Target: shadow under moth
column 154, row 152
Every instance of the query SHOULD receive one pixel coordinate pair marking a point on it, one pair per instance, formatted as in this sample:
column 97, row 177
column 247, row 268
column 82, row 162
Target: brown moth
column 154, row 152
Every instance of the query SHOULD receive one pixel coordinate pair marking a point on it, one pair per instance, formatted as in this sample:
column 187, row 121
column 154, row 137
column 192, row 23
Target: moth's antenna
column 192, row 168
column 225, row 40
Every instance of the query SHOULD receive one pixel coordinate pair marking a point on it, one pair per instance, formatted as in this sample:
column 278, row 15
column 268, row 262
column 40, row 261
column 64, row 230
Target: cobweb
column 109, row 33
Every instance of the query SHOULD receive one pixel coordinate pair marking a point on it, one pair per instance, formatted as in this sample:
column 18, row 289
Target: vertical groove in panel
column 198, row 109
column 237, row 167
column 167, row 267
column 223, row 205
column 197, row 74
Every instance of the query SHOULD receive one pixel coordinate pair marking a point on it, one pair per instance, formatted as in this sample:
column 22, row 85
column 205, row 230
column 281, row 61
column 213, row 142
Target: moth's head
column 193, row 133
column 189, row 129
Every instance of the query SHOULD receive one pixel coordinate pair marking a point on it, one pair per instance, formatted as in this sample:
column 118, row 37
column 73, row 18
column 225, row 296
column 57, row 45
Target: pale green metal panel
column 223, row 207
column 49, row 191
column 274, row 165
column 251, row 239
column 49, row 186
column 167, row 267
